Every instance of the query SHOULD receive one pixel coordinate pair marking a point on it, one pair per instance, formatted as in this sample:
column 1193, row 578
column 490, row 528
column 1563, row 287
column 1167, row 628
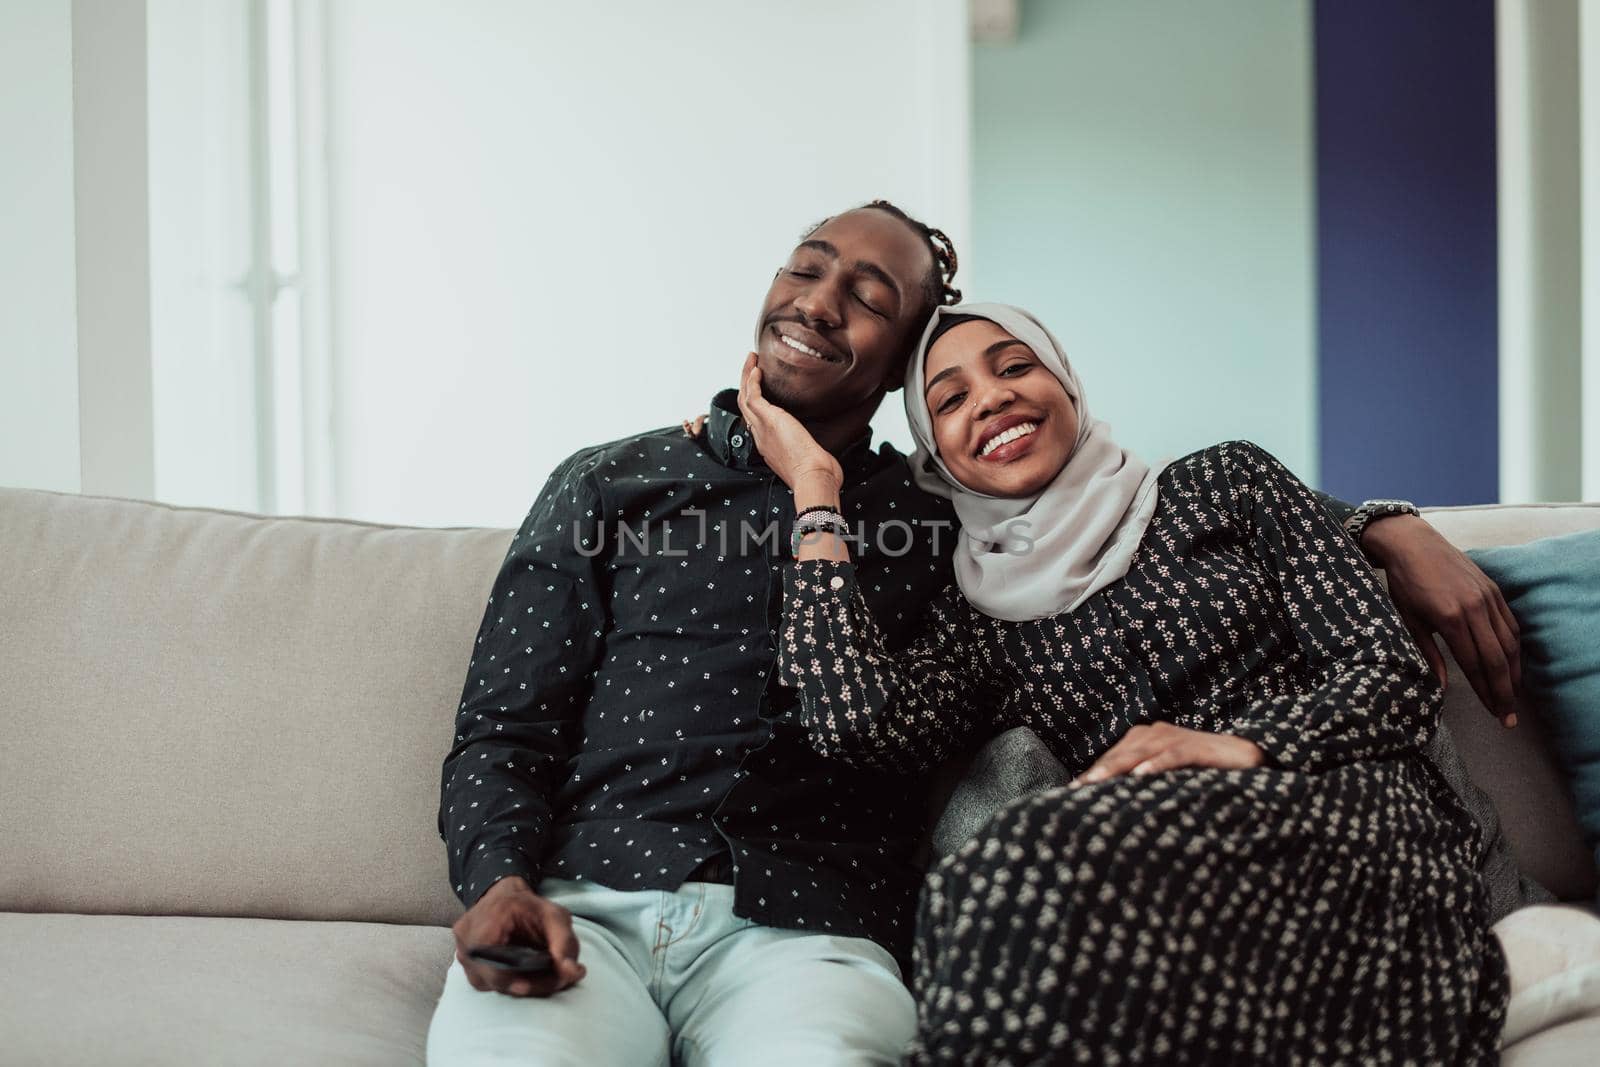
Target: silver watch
column 1357, row 523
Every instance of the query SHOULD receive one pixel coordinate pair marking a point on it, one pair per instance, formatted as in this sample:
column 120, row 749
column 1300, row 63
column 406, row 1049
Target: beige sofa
column 220, row 743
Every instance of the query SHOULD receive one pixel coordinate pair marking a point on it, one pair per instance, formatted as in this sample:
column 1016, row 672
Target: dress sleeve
column 898, row 710
column 1339, row 510
column 1371, row 695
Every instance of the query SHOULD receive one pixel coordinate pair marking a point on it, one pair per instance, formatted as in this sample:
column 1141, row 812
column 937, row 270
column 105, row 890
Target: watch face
column 1391, row 505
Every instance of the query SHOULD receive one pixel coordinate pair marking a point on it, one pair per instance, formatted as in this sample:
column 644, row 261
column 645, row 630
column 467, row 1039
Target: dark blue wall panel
column 1408, row 366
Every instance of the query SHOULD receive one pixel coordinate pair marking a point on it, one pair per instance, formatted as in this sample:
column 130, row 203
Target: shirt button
column 836, row 582
column 737, row 440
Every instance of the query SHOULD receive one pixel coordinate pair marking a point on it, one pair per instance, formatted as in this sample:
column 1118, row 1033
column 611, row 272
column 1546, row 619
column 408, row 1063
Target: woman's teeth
column 798, row 347
column 1022, row 429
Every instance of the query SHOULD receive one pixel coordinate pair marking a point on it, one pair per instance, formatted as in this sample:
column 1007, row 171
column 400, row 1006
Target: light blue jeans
column 676, row 977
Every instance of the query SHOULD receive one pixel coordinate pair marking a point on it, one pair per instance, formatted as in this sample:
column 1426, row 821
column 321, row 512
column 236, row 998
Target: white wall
column 75, row 410
column 202, row 359
column 111, row 189
column 1542, row 248
column 554, row 223
column 38, row 328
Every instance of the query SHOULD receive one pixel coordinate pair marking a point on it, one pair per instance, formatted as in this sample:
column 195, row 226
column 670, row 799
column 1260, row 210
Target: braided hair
column 936, row 287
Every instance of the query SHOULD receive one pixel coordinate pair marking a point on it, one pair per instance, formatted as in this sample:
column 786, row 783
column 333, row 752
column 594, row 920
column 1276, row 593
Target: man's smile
column 797, row 346
column 805, row 342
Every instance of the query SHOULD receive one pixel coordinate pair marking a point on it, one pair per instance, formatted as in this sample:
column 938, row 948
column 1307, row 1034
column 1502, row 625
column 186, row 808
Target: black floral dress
column 1323, row 908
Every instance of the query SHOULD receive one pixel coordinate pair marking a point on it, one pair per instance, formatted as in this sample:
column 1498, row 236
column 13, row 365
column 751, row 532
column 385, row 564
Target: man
column 625, row 779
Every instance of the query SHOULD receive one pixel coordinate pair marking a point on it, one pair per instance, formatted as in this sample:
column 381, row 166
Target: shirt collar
column 730, row 441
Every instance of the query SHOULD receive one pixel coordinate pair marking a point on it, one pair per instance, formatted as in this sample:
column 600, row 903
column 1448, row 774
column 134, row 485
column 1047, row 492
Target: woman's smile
column 1007, row 439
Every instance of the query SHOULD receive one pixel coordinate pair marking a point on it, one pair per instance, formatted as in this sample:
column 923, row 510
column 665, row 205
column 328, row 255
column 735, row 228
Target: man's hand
column 1161, row 746
column 512, row 913
column 1439, row 590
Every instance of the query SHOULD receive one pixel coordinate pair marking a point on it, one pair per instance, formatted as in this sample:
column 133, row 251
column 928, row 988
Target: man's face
column 841, row 314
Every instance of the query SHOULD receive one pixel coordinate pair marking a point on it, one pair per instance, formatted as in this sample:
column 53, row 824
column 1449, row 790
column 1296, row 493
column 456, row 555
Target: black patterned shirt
column 621, row 720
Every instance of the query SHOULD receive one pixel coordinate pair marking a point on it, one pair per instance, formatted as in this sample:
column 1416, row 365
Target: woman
column 1253, row 863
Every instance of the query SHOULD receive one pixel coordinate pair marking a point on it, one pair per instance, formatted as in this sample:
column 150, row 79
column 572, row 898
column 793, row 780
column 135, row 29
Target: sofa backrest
column 210, row 713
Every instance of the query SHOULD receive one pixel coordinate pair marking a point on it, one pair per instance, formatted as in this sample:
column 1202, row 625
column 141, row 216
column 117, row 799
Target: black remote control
column 524, row 959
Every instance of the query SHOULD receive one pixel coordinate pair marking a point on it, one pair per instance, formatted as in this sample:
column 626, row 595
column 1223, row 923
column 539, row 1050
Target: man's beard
column 784, row 391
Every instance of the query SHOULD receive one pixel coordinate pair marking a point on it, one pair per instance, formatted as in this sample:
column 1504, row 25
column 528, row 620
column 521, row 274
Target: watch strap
column 1362, row 517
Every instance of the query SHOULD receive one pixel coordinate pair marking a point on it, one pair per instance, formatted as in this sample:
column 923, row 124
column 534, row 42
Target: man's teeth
column 1022, row 429
column 798, row 347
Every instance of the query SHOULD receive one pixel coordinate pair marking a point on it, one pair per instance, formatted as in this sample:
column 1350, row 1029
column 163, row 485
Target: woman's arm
column 899, row 711
column 1436, row 588
column 1372, row 696
column 902, row 711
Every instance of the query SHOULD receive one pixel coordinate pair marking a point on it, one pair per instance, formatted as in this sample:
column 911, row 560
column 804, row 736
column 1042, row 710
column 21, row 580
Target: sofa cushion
column 1012, row 764
column 1518, row 767
column 208, row 713
column 117, row 989
column 1553, row 588
column 1508, row 887
column 1569, row 1045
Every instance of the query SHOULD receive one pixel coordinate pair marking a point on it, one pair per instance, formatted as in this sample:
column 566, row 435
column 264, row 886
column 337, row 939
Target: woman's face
column 1003, row 423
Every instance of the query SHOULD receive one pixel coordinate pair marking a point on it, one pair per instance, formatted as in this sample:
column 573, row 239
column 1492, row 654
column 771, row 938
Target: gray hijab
column 1029, row 558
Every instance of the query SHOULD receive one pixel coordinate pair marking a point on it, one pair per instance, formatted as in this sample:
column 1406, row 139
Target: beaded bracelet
column 814, row 521
column 825, row 508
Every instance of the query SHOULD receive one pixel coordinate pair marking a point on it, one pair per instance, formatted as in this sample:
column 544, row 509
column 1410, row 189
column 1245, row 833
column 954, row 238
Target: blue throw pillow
column 1553, row 587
